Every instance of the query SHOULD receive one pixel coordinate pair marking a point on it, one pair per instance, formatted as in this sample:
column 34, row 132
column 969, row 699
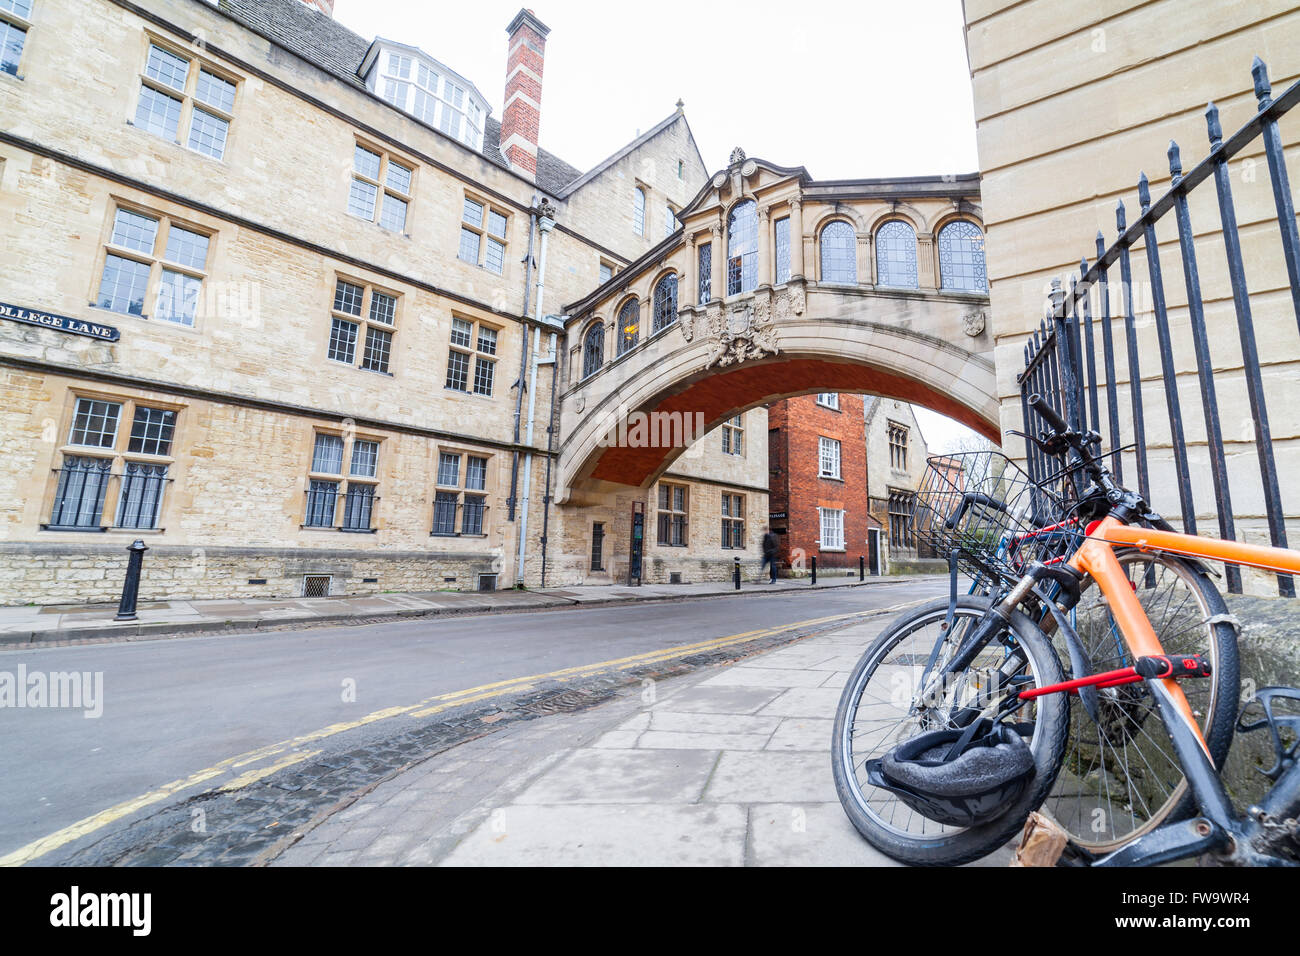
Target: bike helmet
column 959, row 777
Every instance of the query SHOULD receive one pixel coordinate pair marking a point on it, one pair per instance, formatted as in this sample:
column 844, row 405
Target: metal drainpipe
column 544, row 226
column 550, row 437
column 523, row 363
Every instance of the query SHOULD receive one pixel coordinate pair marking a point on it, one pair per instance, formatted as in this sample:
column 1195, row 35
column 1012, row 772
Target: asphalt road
column 172, row 708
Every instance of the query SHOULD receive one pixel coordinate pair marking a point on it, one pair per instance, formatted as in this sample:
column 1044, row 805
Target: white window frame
column 158, row 263
column 384, row 190
column 831, row 519
column 829, row 400
column 21, row 23
column 828, row 457
column 733, row 436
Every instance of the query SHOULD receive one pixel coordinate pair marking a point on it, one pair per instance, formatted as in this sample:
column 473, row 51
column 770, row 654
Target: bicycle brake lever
column 1047, row 448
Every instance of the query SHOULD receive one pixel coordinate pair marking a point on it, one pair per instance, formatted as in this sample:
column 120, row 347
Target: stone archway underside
column 720, row 394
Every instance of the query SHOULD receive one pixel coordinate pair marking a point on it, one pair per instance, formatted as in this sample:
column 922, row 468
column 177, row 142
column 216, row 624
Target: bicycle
column 1115, row 529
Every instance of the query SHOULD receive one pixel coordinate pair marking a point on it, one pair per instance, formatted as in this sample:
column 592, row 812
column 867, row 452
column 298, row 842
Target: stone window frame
column 12, row 20
column 836, row 525
column 781, row 250
column 156, row 258
column 605, row 271
column 670, row 219
column 733, row 436
column 945, row 284
column 384, row 188
column 187, row 94
column 901, row 505
column 345, row 482
column 480, row 362
column 746, row 261
column 368, row 324
column 484, row 237
column 466, row 495
column 664, row 302
column 733, row 521
column 120, row 457
column 626, row 341
column 673, row 523
column 897, row 436
column 825, row 444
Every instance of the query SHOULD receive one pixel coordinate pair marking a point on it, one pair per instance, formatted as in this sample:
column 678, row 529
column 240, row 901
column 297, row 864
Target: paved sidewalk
column 30, row 624
column 726, row 768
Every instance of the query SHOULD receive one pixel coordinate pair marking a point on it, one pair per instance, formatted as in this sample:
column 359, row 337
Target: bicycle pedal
column 1284, row 755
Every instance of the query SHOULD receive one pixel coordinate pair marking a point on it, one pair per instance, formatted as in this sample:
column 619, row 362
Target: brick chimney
column 523, row 107
column 324, row 6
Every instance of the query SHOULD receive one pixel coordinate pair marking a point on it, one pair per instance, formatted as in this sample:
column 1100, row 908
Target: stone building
column 283, row 301
column 896, row 461
column 1072, row 103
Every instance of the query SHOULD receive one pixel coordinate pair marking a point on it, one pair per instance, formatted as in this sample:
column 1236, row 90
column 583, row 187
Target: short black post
column 862, row 568
column 131, row 586
column 814, row 570
column 735, row 573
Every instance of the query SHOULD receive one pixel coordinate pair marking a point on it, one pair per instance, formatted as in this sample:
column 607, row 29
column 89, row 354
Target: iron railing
column 1061, row 356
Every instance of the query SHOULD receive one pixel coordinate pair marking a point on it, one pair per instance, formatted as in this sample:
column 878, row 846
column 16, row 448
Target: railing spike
column 1083, row 267
column 1121, row 218
column 1212, row 125
column 1144, row 193
column 1263, row 89
column 1175, row 161
column 1101, row 245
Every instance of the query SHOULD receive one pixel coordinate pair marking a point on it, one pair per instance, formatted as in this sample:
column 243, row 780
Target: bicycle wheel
column 1120, row 778
column 880, row 708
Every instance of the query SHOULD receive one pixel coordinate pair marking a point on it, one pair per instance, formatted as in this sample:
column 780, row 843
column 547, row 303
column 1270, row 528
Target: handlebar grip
column 1048, row 414
column 972, row 498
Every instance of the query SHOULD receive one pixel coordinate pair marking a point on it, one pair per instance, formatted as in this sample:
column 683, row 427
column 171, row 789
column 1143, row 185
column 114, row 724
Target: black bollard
column 131, row 586
column 814, row 570
column 735, row 573
column 862, row 568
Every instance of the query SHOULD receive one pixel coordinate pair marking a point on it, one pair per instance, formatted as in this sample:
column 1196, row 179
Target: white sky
column 845, row 89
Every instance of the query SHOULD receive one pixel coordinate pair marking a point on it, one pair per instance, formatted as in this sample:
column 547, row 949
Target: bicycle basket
column 982, row 505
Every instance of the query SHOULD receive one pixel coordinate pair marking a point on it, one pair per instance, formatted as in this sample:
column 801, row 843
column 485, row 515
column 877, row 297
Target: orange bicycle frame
column 1096, row 558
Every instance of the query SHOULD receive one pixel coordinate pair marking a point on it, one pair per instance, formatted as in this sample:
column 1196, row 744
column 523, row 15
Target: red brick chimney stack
column 324, row 6
column 522, row 114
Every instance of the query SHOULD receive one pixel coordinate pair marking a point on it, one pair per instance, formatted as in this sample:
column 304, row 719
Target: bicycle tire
column 874, row 812
column 1119, row 778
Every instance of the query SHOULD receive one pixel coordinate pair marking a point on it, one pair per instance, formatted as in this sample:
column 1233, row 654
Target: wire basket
column 982, row 505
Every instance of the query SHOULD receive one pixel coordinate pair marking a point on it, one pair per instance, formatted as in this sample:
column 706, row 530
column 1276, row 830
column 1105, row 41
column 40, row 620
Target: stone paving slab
column 714, row 772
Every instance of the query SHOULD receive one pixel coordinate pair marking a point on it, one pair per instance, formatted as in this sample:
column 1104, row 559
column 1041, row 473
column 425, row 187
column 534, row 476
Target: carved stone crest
column 973, row 322
column 743, row 331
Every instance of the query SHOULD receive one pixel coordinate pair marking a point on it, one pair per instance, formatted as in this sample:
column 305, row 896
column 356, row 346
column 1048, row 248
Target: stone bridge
column 778, row 285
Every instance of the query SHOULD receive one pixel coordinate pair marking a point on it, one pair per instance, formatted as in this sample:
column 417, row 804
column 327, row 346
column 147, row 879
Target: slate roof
column 327, row 44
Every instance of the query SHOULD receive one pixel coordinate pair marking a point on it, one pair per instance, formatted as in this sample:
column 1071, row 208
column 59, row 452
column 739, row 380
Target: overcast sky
column 846, row 89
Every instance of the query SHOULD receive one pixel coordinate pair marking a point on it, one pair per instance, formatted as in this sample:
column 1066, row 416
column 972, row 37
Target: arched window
column 839, row 253
column 665, row 310
column 742, row 248
column 638, row 211
column 629, row 325
column 896, row 255
column 961, row 258
column 593, row 349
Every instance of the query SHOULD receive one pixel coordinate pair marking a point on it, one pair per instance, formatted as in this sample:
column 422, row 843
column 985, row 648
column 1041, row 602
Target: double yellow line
column 425, row 708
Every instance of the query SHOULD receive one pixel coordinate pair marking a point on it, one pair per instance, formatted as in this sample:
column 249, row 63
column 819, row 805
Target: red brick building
column 817, row 464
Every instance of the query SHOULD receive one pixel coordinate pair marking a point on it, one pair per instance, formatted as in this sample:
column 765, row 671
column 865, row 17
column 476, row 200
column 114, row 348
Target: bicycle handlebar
column 1048, row 414
column 972, row 498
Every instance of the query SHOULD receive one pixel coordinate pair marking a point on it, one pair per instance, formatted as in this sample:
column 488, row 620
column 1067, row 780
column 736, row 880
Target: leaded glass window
column 665, row 303
column 151, row 431
column 961, row 258
column 593, row 349
column 448, row 469
column 839, row 253
column 638, row 211
column 629, row 325
column 79, row 499
column 140, row 500
column 782, row 250
column 706, row 272
column 95, row 423
column 896, row 255
column 742, row 248
column 327, row 455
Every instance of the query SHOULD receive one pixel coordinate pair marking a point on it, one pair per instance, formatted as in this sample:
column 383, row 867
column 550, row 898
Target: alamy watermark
column 70, row 690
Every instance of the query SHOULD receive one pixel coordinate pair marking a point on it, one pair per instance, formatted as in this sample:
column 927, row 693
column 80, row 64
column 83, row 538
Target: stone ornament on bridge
column 973, row 322
column 744, row 331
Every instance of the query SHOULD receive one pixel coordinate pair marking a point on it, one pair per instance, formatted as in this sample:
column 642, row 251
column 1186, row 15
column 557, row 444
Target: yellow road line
column 244, row 779
column 424, row 708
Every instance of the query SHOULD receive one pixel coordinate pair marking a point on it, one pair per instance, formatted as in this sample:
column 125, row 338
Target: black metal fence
column 1061, row 358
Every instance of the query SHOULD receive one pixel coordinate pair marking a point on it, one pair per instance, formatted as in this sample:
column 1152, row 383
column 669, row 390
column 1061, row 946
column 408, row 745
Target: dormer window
column 430, row 92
